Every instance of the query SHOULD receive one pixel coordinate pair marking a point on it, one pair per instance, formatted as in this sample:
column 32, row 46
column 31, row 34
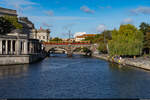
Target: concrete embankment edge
column 20, row 59
column 139, row 63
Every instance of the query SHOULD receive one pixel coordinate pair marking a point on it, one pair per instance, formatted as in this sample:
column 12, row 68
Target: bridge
column 69, row 47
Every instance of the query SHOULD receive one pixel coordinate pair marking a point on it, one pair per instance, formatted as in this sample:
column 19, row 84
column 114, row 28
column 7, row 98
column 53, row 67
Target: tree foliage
column 103, row 41
column 128, row 40
column 56, row 39
column 5, row 26
column 8, row 23
column 145, row 29
column 14, row 21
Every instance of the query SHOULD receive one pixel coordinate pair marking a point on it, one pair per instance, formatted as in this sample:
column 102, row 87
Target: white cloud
column 141, row 10
column 59, row 18
column 50, row 12
column 79, row 33
column 46, row 24
column 127, row 21
column 107, row 7
column 17, row 3
column 20, row 5
column 86, row 9
column 101, row 28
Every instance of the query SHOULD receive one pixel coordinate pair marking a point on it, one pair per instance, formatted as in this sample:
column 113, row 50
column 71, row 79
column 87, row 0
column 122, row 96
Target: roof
column 89, row 35
column 86, row 35
column 43, row 30
column 5, row 11
column 80, row 36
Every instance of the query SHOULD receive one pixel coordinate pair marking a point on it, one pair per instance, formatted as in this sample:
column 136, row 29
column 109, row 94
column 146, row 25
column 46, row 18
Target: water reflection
column 13, row 70
column 76, row 77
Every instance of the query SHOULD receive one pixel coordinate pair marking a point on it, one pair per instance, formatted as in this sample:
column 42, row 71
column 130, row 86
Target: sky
column 90, row 16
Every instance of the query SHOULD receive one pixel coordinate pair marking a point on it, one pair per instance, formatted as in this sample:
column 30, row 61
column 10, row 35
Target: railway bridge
column 69, row 47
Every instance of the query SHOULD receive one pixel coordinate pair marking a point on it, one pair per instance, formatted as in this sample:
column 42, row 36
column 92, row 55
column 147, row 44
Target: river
column 75, row 77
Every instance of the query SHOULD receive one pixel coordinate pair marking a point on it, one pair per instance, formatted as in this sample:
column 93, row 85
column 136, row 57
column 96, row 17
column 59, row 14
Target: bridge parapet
column 68, row 46
column 67, row 43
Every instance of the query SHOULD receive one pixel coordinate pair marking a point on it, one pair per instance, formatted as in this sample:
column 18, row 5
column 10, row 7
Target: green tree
column 14, row 21
column 145, row 29
column 86, row 51
column 103, row 41
column 56, row 39
column 146, row 48
column 128, row 40
column 5, row 26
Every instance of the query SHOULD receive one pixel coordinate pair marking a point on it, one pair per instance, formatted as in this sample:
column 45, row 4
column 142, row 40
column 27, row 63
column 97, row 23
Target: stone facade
column 41, row 34
column 5, row 11
column 17, row 47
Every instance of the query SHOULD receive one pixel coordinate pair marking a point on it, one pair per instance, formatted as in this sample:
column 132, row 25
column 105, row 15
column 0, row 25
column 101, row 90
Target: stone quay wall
column 20, row 59
column 140, row 62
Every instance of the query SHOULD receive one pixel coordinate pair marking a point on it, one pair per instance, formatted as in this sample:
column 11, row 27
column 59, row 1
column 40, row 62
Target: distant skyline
column 90, row 16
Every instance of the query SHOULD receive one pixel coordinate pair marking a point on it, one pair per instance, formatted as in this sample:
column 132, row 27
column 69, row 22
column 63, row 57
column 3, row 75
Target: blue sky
column 91, row 16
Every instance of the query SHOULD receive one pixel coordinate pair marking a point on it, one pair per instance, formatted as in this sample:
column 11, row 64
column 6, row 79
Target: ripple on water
column 76, row 77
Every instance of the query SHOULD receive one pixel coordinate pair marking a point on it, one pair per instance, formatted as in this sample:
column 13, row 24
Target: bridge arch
column 68, row 47
column 57, row 48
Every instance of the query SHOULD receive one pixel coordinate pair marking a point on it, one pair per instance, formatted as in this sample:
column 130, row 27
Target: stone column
column 6, row 47
column 29, row 48
column 33, row 47
column 1, row 47
column 26, row 47
column 11, row 47
column 22, row 52
column 18, row 47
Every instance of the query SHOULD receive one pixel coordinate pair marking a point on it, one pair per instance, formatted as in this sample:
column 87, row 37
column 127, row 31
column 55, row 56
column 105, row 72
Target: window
column 43, row 37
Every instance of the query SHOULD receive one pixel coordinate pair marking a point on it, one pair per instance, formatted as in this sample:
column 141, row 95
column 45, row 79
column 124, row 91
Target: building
column 82, row 37
column 5, row 11
column 17, row 47
column 28, row 26
column 79, row 38
column 41, row 34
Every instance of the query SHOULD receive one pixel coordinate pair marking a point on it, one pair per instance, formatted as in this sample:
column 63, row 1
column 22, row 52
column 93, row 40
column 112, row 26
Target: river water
column 76, row 77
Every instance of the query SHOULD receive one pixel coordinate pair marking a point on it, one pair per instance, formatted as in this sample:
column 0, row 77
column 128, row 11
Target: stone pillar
column 6, row 47
column 11, row 47
column 18, row 47
column 26, row 47
column 33, row 48
column 29, row 47
column 22, row 52
column 1, row 47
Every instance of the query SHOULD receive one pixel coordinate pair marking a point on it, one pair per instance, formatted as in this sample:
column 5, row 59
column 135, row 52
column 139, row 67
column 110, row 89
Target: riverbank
column 139, row 62
column 21, row 59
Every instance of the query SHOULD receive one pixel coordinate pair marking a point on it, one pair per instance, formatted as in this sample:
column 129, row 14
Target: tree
column 145, row 29
column 104, row 37
column 56, row 39
column 147, row 43
column 9, row 23
column 127, row 41
column 87, row 51
column 5, row 26
column 14, row 21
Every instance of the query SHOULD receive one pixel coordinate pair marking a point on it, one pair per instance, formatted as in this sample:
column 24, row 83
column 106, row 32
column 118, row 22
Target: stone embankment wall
column 138, row 62
column 20, row 59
